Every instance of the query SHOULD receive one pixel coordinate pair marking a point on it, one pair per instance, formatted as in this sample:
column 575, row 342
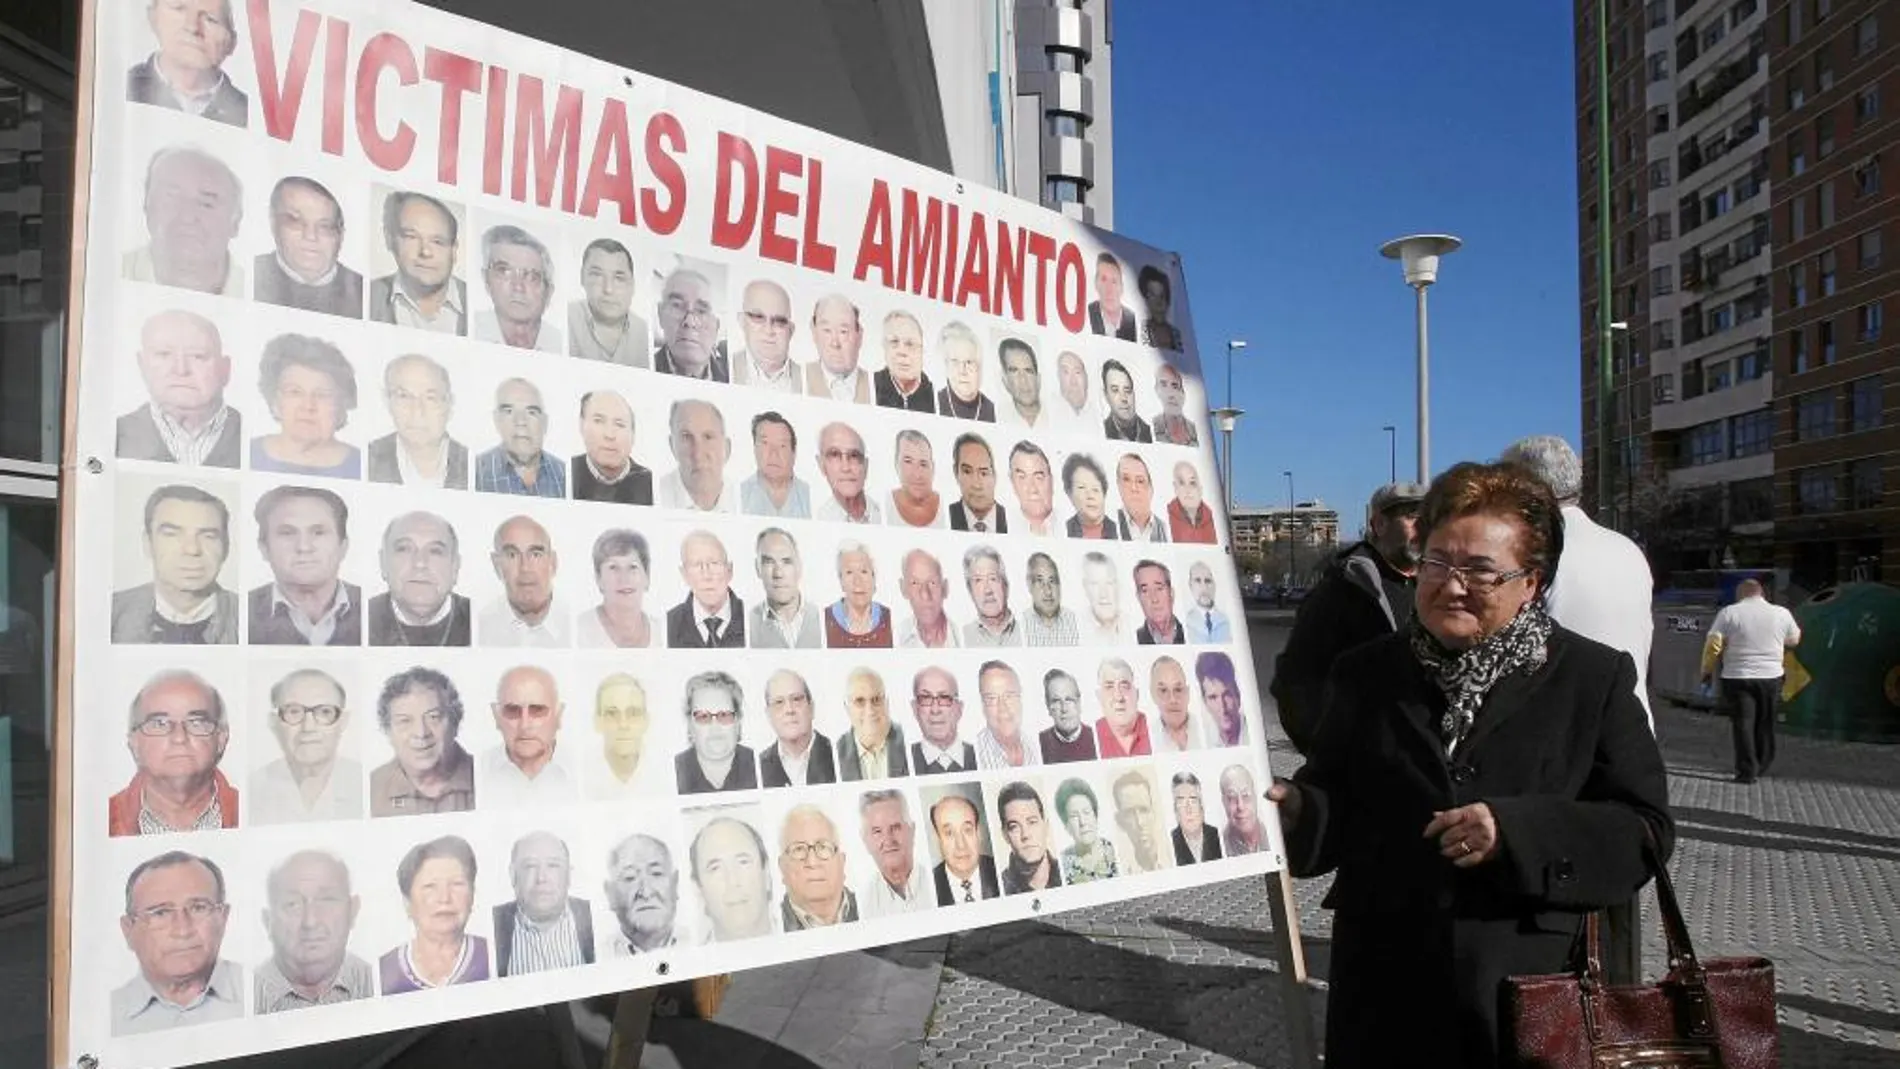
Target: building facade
column 1708, row 241
column 1311, row 523
column 1063, row 129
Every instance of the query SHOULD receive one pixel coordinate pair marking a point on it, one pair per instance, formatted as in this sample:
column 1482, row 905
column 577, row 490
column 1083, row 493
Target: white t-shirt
column 1754, row 633
column 1603, row 591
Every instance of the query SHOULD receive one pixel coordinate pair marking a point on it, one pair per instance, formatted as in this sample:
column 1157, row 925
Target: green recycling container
column 1843, row 680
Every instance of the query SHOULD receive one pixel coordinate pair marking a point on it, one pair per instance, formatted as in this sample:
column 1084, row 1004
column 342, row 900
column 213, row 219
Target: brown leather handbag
column 1702, row 1015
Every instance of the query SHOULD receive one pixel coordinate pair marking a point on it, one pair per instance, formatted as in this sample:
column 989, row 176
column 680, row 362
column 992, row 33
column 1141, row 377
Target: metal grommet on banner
column 627, row 81
column 94, row 465
column 665, row 968
column 87, row 1061
column 1036, row 904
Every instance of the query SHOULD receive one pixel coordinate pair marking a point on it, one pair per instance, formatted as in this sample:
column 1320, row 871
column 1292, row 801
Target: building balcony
column 1068, row 157
column 1734, row 400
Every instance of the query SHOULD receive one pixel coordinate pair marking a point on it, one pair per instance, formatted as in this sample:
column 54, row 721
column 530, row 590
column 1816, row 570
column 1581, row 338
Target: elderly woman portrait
column 311, row 391
column 1087, row 486
column 1482, row 780
column 857, row 620
column 420, row 714
column 1089, row 856
column 623, row 572
column 1031, row 866
column 437, row 881
column 1157, row 295
column 916, row 502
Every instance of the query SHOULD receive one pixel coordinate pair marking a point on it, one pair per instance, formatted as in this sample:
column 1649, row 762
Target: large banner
column 542, row 531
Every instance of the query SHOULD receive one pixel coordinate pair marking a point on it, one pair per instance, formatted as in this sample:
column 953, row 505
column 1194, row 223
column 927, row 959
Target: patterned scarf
column 1466, row 676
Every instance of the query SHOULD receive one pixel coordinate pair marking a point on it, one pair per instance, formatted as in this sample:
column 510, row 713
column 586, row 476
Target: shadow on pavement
column 1808, row 1048
column 1835, row 1011
column 1744, row 823
column 694, row 1044
column 1253, row 941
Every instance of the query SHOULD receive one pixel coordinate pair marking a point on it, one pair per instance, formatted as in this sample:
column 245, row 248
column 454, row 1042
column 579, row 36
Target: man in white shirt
column 309, row 714
column 766, row 321
column 774, row 490
column 938, row 707
column 1035, row 485
column 520, row 280
column 1603, row 587
column 525, row 771
column 1205, row 624
column 1072, row 378
column 525, row 562
column 842, row 458
column 890, row 837
column 1750, row 638
column 1137, row 518
column 696, row 432
column 193, row 204
column 1001, row 744
column 928, row 627
column 1022, row 381
column 1174, row 719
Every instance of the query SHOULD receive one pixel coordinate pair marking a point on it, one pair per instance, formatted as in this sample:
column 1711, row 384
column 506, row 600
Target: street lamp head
column 1419, row 254
column 1237, row 343
column 1620, row 327
column 1389, row 429
column 1225, row 418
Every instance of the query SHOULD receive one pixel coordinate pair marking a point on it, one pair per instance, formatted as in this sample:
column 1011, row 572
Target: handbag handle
column 1685, row 968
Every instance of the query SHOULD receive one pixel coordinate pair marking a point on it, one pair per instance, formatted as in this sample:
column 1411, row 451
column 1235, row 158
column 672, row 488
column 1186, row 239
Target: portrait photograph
column 313, row 262
column 543, row 893
column 430, row 723
column 156, row 981
column 690, row 310
column 300, row 566
column 421, row 255
column 191, row 220
column 173, row 387
column 307, row 716
column 180, row 746
column 607, row 311
column 174, row 577
column 1022, row 380
column 310, row 889
column 733, row 873
column 963, row 860
column 524, row 276
column 1024, row 814
column 819, row 857
column 187, row 62
column 428, row 903
column 625, row 726
column 645, row 900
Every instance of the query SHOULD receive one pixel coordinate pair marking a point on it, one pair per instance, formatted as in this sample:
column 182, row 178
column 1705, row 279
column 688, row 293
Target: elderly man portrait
column 306, row 223
column 962, row 395
column 309, row 388
column 601, row 325
column 518, row 464
column 1031, row 867
column 519, row 276
column 696, row 433
column 419, row 452
column 421, row 558
column 902, row 383
column 712, row 616
column 1244, row 833
column 420, row 713
column 837, row 333
column 689, row 329
column 857, row 620
column 967, row 873
column 1220, row 692
column 303, row 533
column 916, row 502
column 309, row 913
column 1107, row 314
column 890, row 836
column 626, row 769
column 544, row 927
column 623, row 573
column 976, row 508
column 1205, row 623
column 801, row 755
column 174, row 922
column 785, row 619
column 938, row 709
column 643, row 895
column 309, row 714
column 1022, row 381
column 193, row 205
column 1137, row 519
column 528, row 768
column 715, row 759
column 1047, row 623
column 1189, row 517
column 605, row 470
column 185, row 71
column 734, row 881
column 765, row 311
column 811, row 865
column 187, row 538
column 1001, row 743
column 176, row 732
column 845, row 464
column 1101, row 590
column 437, row 882
column 1140, row 825
column 773, row 490
column 1195, row 840
column 1168, row 686
column 1172, row 425
column 185, row 419
column 423, row 237
column 525, row 615
column 1066, row 738
column 987, row 583
column 928, row 627
column 1124, row 423
column 874, row 747
column 1154, row 590
column 1123, row 729
column 1072, row 385
column 1033, row 480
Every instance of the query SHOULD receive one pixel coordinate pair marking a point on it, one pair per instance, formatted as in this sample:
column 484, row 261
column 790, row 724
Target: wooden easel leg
column 1295, row 999
column 633, row 1014
column 566, row 1040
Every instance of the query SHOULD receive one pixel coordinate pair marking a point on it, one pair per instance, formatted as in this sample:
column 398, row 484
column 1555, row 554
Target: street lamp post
column 1292, row 536
column 1227, row 405
column 1419, row 254
column 1606, row 389
column 1224, row 420
column 1237, row 343
column 1392, row 446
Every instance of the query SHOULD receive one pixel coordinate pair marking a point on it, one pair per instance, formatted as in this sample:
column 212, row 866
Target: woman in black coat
column 1479, row 782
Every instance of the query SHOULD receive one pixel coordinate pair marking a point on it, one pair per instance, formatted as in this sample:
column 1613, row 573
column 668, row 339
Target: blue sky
column 1276, row 145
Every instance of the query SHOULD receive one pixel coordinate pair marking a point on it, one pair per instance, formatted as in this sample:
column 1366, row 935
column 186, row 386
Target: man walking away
column 1367, row 591
column 1749, row 638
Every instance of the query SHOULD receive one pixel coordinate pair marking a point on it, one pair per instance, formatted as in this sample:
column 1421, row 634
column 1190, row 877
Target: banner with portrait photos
column 542, row 531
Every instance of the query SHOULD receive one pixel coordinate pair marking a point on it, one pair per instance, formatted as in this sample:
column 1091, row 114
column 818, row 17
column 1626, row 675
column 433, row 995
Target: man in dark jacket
column 1366, row 592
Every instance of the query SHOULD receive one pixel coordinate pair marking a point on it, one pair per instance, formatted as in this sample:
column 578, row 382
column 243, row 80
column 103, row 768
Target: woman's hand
column 1468, row 835
column 1285, row 794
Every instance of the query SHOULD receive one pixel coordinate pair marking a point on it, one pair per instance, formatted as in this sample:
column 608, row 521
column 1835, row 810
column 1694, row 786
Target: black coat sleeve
column 1313, row 842
column 1586, row 851
column 1333, row 619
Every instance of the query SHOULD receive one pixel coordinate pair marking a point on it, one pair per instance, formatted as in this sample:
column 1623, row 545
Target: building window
column 1868, row 319
column 1718, row 376
column 1825, row 330
column 1869, row 245
column 1064, row 191
column 1797, row 154
column 1661, row 281
column 1656, row 14
column 1866, row 36
column 1822, row 9
column 1662, row 388
column 1797, row 93
column 1751, row 434
column 1703, row 445
column 1660, row 228
column 1865, row 403
column 1798, row 217
column 1659, row 67
column 1867, row 104
column 1828, row 267
column 1740, row 12
column 1064, row 61
column 1814, row 415
column 1823, row 68
column 1867, row 482
column 1817, row 490
column 1692, row 380
column 1797, row 285
column 1797, row 351
column 1721, row 318
column 1662, row 335
column 1867, row 177
column 1659, row 174
column 1794, row 24
column 1751, row 501
column 1659, row 120
column 1063, row 124
column 1825, row 201
column 1753, row 365
column 1824, row 136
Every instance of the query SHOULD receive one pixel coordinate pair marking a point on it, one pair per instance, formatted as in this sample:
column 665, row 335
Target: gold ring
column 1465, row 845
